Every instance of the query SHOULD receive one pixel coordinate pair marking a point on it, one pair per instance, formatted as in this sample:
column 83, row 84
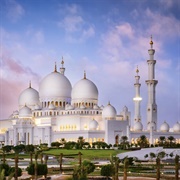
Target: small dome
column 96, row 107
column 25, row 112
column 151, row 124
column 164, row 127
column 138, row 126
column 29, row 96
column 93, row 125
column 37, row 107
column 102, row 107
column 82, row 106
column 55, row 87
column 125, row 109
column 15, row 112
column 84, row 91
column 51, row 106
column 71, row 107
column 176, row 127
column 109, row 112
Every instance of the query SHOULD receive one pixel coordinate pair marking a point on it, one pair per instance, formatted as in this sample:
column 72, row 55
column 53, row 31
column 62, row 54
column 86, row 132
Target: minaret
column 137, row 99
column 62, row 69
column 151, row 84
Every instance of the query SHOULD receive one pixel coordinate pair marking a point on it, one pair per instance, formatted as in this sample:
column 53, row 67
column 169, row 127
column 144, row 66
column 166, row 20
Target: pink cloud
column 14, row 78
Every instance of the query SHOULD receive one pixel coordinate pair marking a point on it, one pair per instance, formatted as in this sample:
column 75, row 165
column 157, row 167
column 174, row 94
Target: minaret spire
column 137, row 99
column 55, row 67
column 151, row 85
column 84, row 74
column 29, row 84
column 62, row 69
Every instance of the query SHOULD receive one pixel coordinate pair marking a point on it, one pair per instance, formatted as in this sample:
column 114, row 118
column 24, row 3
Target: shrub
column 89, row 166
column 5, row 167
column 12, row 170
column 41, row 169
column 107, row 170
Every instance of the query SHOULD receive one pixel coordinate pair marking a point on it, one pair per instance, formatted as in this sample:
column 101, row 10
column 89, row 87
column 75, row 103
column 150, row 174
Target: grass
column 91, row 154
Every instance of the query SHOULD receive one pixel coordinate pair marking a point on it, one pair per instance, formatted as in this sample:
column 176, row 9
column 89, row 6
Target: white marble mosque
column 59, row 111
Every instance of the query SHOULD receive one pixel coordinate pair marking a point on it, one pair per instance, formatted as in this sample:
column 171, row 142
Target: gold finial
column 109, row 103
column 84, row 74
column 151, row 42
column 62, row 62
column 29, row 84
column 55, row 68
column 137, row 70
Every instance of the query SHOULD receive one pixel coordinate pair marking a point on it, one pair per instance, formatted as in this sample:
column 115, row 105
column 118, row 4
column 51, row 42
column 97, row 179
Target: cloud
column 12, row 82
column 75, row 25
column 14, row 10
column 167, row 28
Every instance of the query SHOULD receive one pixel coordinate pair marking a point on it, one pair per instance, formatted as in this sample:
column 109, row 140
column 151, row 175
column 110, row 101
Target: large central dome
column 55, row 87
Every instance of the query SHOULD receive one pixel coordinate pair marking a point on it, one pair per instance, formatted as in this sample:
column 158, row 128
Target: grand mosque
column 59, row 110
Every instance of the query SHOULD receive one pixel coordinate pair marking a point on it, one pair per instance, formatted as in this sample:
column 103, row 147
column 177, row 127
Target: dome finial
column 151, row 42
column 109, row 103
column 62, row 62
column 55, row 68
column 137, row 70
column 84, row 74
column 29, row 84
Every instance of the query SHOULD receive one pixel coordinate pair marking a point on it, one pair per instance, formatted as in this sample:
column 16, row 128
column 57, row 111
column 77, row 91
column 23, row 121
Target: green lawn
column 86, row 154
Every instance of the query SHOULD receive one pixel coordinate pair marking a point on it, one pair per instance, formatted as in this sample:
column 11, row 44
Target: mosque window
column 64, row 104
column 56, row 104
column 48, row 103
column 50, row 113
column 97, row 112
column 60, row 104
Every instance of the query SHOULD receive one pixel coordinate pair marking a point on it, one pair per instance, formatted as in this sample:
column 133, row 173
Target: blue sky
column 107, row 38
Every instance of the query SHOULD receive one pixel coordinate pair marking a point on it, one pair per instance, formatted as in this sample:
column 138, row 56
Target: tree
column 152, row 155
column 30, row 149
column 142, row 141
column 161, row 155
column 107, row 170
column 126, row 165
column 162, row 140
column 158, row 168
column 146, row 156
column 6, row 168
column 89, row 166
column 124, row 141
column 41, row 169
column 176, row 167
column 60, row 162
column 13, row 169
column 17, row 149
column 171, row 139
column 80, row 142
column 5, row 150
column 79, row 157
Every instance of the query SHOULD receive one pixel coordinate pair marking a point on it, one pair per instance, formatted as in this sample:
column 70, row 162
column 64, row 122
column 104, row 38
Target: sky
column 106, row 38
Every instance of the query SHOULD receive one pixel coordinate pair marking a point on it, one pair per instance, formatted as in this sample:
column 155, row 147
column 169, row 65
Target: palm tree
column 126, row 165
column 80, row 160
column 30, row 149
column 60, row 161
column 158, row 168
column 124, row 141
column 17, row 149
column 80, row 142
column 171, row 139
column 162, row 140
column 35, row 166
column 5, row 149
column 142, row 141
column 176, row 167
